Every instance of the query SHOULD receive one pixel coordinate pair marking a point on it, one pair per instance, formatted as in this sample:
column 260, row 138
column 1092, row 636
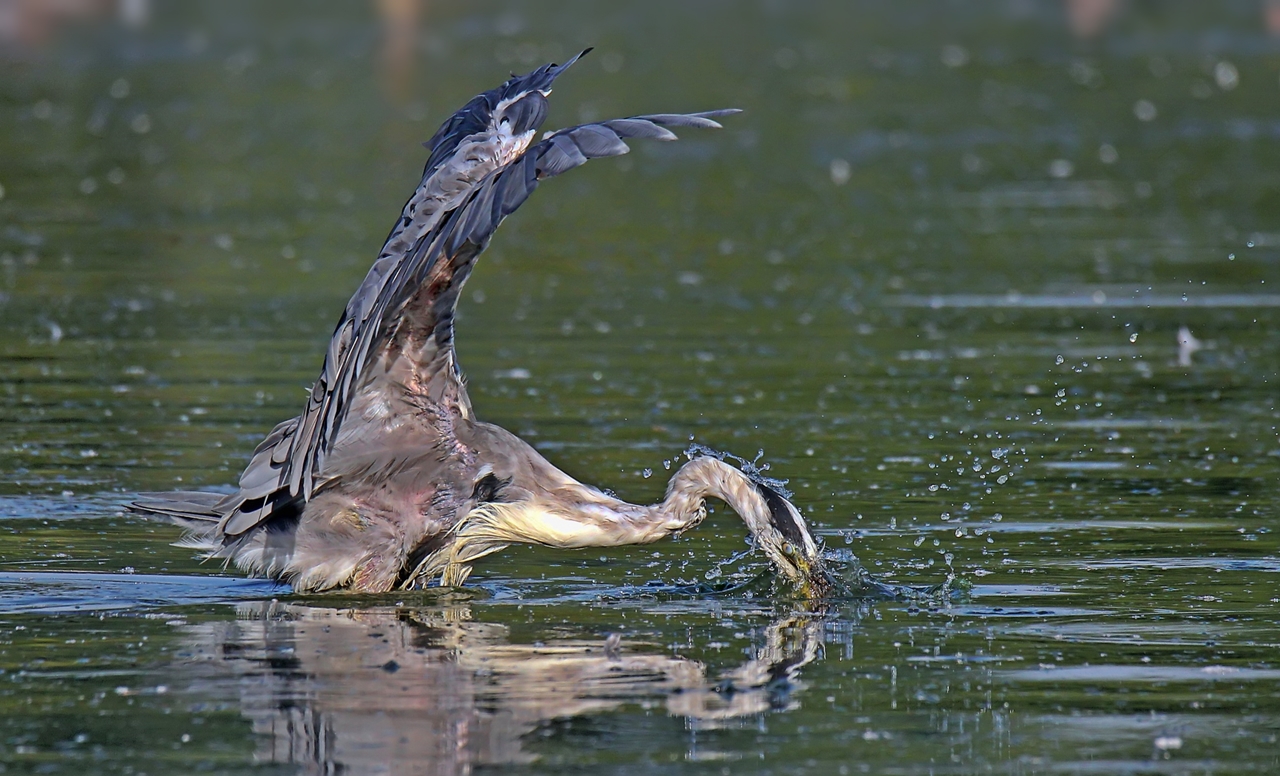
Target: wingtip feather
column 556, row 70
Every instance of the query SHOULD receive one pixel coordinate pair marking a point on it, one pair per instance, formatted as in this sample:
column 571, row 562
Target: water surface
column 998, row 301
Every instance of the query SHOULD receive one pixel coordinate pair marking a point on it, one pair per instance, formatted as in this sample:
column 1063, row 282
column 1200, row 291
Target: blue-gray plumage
column 386, row 479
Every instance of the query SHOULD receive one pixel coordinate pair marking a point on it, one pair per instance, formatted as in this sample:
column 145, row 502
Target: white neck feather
column 579, row 517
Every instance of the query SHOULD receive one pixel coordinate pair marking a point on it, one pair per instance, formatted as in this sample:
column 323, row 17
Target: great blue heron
column 387, row 479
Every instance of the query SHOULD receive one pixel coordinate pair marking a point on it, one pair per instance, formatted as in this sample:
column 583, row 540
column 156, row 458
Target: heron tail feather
column 196, row 511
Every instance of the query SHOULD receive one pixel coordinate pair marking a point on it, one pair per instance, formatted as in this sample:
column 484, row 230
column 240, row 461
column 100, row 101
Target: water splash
column 840, row 576
column 754, row 470
column 848, row 579
column 844, row 579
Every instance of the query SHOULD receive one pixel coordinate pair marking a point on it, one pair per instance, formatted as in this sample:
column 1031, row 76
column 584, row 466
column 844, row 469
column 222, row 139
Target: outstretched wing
column 395, row 338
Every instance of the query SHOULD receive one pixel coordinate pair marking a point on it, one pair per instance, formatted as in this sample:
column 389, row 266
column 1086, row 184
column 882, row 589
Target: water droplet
column 1059, row 360
column 647, row 473
column 840, row 171
column 1226, row 76
column 1133, row 337
column 954, row 56
column 1144, row 110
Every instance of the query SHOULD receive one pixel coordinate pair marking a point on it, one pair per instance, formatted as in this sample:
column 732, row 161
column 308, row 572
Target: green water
column 936, row 271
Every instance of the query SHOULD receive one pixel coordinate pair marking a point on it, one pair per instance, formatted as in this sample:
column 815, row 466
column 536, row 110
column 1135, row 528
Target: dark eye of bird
column 488, row 487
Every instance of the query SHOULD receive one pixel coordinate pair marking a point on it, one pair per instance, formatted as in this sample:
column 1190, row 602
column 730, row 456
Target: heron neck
column 706, row 477
column 574, row 516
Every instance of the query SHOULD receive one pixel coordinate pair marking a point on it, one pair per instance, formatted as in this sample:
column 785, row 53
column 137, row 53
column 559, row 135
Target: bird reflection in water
column 433, row 691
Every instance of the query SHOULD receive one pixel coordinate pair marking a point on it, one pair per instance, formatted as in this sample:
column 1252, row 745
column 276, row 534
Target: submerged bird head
column 776, row 526
column 784, row 537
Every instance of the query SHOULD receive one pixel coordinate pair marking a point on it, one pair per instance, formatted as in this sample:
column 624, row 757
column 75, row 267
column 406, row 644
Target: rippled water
column 998, row 301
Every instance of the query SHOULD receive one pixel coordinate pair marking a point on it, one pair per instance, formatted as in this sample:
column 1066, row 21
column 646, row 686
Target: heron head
column 783, row 535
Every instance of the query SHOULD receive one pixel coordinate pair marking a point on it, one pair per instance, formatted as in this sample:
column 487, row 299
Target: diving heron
column 387, row 479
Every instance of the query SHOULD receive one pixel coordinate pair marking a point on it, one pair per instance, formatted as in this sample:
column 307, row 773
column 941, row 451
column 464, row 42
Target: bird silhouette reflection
column 434, row 691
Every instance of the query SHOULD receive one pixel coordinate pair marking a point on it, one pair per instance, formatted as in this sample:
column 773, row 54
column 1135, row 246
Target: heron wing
column 393, row 347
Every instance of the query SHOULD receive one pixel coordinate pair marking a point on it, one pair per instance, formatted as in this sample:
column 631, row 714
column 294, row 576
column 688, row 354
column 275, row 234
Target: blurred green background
column 993, row 285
